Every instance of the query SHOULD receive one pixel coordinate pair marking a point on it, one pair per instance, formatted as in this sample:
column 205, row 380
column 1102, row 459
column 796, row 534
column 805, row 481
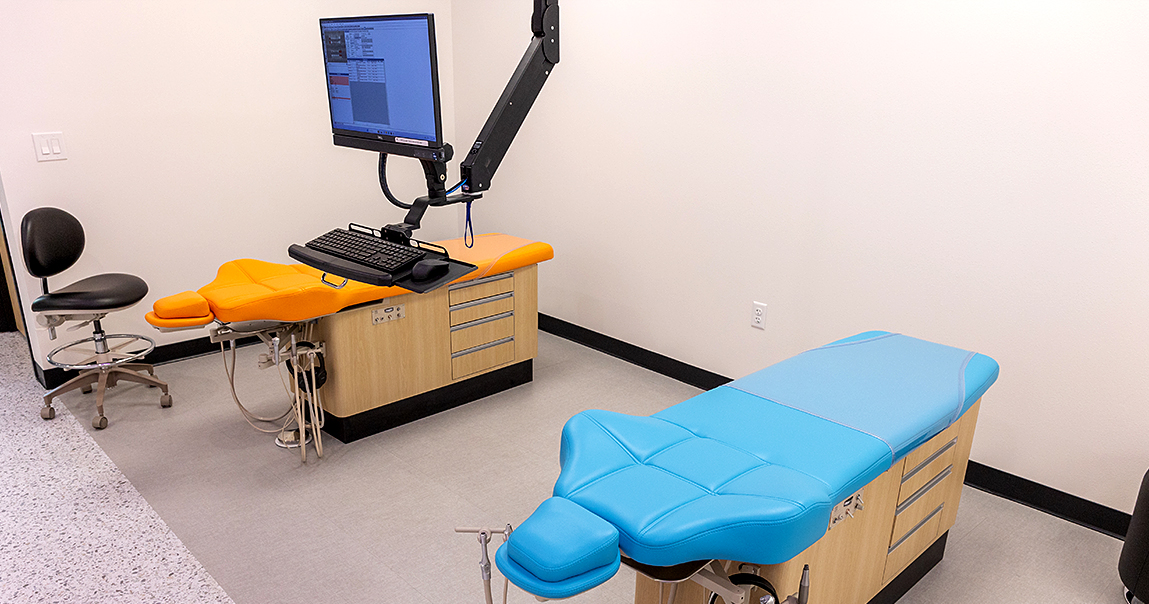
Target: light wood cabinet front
column 483, row 331
column 481, row 308
column 446, row 335
column 485, row 357
column 486, row 287
column 370, row 364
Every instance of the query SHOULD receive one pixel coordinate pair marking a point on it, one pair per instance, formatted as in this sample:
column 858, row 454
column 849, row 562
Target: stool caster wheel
column 166, row 400
column 47, row 412
column 99, row 422
column 86, row 389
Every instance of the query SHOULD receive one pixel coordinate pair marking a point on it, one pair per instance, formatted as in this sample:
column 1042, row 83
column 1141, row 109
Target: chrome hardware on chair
column 52, row 242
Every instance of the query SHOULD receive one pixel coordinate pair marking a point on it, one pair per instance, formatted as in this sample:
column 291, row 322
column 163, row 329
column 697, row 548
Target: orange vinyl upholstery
column 250, row 290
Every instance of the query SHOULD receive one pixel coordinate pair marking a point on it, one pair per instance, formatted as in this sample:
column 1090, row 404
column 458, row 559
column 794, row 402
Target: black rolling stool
column 53, row 241
column 1134, row 563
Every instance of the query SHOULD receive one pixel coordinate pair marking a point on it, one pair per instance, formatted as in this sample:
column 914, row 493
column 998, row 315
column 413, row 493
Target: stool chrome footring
column 108, row 357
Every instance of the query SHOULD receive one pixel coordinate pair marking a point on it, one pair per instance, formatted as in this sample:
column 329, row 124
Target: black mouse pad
column 455, row 269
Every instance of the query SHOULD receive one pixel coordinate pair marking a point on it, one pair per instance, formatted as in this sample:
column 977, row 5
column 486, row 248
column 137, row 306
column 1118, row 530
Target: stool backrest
column 52, row 240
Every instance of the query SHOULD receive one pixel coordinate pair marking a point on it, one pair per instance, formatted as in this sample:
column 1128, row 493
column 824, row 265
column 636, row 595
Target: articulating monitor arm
column 508, row 115
column 500, row 129
column 435, row 172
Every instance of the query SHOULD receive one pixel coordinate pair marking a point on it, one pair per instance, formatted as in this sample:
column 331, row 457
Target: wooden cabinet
column 907, row 509
column 923, row 493
column 415, row 345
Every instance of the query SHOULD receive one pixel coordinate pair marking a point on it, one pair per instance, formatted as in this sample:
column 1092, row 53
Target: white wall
column 197, row 133
column 970, row 172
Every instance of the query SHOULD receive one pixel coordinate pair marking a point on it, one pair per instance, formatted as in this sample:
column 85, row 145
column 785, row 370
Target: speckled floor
column 72, row 528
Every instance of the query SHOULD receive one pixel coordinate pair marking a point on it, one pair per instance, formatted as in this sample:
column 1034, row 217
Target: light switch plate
column 49, row 146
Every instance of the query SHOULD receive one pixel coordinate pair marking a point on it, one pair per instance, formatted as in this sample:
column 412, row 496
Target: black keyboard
column 367, row 250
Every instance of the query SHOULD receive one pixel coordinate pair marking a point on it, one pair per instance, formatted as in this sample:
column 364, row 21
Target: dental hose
column 250, row 417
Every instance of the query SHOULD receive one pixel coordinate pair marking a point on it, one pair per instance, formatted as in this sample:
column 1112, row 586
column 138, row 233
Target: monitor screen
column 383, row 82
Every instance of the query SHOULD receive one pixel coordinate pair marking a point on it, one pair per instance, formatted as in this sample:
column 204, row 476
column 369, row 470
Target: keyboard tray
column 338, row 267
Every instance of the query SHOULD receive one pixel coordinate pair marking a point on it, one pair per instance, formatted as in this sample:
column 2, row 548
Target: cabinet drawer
column 931, row 446
column 481, row 288
column 919, row 504
column 914, row 542
column 482, row 331
column 484, row 357
column 483, row 307
column 915, row 478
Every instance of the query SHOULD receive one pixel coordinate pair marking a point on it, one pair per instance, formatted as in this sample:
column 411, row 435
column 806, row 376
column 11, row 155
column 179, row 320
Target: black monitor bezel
column 383, row 142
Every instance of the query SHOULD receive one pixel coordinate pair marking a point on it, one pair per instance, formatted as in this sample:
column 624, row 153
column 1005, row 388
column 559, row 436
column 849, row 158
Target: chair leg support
column 104, row 378
column 138, row 367
column 126, row 373
column 80, row 381
column 100, row 422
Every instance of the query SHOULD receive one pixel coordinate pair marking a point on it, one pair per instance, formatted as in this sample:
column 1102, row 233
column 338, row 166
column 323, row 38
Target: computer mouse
column 425, row 270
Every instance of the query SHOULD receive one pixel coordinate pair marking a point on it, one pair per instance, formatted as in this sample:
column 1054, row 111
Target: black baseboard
column 388, row 416
column 688, row 374
column 1063, row 505
column 1049, row 500
column 913, row 573
column 54, row 376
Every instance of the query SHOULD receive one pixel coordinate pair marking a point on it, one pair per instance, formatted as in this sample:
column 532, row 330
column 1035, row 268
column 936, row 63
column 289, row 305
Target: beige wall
column 197, row 133
column 970, row 172
column 973, row 172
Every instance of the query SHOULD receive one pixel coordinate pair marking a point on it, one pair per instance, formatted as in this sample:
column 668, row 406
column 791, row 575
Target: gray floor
column 373, row 521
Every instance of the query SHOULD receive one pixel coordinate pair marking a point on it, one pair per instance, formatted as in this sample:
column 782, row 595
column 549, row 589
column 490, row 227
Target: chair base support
column 104, row 378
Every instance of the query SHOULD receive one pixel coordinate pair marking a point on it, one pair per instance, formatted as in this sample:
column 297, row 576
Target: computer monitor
column 383, row 84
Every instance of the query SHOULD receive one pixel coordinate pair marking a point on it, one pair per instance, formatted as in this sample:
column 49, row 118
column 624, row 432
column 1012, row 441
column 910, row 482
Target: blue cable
column 469, row 228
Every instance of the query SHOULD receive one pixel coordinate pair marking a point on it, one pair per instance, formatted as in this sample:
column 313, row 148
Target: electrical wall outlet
column 390, row 313
column 758, row 315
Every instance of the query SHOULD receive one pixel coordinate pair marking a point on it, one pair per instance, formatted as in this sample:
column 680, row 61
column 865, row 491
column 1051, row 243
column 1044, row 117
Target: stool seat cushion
column 110, row 291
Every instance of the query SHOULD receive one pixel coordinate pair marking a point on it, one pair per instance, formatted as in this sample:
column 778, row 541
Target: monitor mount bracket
column 502, row 125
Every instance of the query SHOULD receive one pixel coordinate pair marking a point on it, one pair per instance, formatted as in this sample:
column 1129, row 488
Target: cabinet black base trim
column 1080, row 511
column 374, row 421
column 166, row 353
column 913, row 573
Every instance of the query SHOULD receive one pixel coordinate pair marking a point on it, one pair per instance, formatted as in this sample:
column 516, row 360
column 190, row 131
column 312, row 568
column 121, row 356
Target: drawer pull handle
column 482, row 301
column 922, row 491
column 915, row 529
column 930, row 459
column 502, row 315
column 482, row 347
column 474, row 282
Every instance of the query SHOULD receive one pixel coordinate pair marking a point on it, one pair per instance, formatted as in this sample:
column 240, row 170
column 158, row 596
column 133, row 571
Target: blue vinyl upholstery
column 749, row 471
column 561, row 550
